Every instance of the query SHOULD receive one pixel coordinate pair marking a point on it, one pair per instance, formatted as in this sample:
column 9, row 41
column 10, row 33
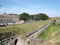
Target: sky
column 49, row 7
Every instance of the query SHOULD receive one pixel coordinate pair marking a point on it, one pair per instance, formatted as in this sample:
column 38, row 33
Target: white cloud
column 51, row 13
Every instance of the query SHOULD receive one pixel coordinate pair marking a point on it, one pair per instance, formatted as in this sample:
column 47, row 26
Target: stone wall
column 8, row 18
column 20, row 22
column 57, row 20
column 8, row 40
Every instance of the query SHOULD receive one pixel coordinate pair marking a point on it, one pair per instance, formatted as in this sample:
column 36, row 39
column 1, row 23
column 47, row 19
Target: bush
column 24, row 16
column 43, row 16
column 40, row 16
column 54, row 23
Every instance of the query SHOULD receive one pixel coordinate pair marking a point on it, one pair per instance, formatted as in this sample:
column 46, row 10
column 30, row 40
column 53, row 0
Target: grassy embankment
column 23, row 28
column 47, row 33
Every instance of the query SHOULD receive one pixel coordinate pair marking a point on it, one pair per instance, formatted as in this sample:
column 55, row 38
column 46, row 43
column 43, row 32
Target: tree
column 24, row 16
column 40, row 16
column 43, row 16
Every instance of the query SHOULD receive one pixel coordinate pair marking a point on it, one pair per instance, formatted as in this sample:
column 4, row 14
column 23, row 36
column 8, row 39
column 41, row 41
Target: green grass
column 47, row 33
column 23, row 28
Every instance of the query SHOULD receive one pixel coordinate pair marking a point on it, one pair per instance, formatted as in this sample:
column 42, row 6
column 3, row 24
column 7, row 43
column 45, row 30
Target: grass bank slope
column 54, row 39
column 47, row 33
column 53, row 33
column 23, row 28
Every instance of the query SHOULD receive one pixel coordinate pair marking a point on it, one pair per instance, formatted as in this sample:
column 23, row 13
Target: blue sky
column 50, row 7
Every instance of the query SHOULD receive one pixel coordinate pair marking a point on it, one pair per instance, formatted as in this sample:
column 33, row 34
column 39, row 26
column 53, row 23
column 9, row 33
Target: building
column 9, row 18
column 57, row 19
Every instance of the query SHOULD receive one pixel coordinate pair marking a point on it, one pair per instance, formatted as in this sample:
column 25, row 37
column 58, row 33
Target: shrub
column 54, row 23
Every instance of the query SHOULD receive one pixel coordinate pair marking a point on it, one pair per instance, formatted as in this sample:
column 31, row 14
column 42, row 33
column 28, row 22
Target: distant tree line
column 26, row 16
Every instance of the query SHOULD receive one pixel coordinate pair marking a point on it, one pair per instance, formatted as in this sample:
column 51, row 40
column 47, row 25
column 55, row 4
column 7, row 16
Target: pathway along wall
column 35, row 33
